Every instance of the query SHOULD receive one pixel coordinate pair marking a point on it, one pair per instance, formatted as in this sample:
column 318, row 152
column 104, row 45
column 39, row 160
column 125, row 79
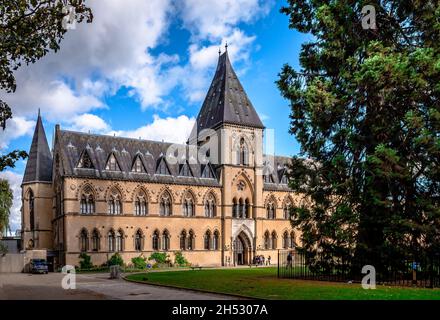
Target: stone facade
column 106, row 194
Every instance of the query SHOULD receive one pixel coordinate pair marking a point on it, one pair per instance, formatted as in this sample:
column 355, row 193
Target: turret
column 37, row 193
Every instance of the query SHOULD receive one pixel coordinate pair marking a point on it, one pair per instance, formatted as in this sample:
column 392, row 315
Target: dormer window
column 138, row 166
column 185, row 170
column 162, row 168
column 85, row 161
column 112, row 163
column 268, row 178
column 207, row 171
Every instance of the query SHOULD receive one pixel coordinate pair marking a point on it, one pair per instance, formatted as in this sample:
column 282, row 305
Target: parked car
column 39, row 266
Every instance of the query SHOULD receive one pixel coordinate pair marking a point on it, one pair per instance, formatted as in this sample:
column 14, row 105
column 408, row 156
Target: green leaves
column 6, row 198
column 365, row 107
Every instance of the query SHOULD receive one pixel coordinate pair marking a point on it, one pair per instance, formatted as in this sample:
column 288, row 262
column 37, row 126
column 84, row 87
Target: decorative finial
column 219, row 51
column 38, row 112
column 226, row 46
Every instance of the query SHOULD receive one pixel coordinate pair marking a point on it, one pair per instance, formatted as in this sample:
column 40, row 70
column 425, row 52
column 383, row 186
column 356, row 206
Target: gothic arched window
column 286, row 209
column 246, row 209
column 207, row 240
column 274, row 240
column 292, row 240
column 270, row 210
column 119, row 241
column 183, row 240
column 166, row 240
column 266, row 240
column 188, row 206
column 235, row 208
column 84, row 241
column 216, row 240
column 243, row 153
column 111, row 241
column 191, row 240
column 140, row 204
column 95, row 240
column 156, row 240
column 114, row 202
column 285, row 240
column 165, row 204
column 210, row 207
column 87, row 204
column 138, row 240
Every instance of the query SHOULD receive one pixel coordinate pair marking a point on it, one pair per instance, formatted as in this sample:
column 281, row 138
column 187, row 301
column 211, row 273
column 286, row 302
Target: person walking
column 268, row 260
column 289, row 260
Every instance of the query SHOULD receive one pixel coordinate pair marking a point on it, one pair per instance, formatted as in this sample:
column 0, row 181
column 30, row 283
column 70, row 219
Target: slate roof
column 39, row 164
column 72, row 144
column 226, row 100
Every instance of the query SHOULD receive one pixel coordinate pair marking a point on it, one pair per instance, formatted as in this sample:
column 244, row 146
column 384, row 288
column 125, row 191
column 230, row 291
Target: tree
column 29, row 29
column 365, row 109
column 6, row 198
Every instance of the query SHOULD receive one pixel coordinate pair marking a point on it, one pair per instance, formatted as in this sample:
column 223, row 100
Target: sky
column 142, row 69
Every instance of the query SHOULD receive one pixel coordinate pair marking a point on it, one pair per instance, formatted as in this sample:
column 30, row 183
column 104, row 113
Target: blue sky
column 141, row 69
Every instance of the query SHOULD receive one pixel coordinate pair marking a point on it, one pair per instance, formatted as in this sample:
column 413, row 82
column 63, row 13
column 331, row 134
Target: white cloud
column 97, row 59
column 175, row 130
column 15, row 185
column 16, row 128
column 89, row 122
column 214, row 19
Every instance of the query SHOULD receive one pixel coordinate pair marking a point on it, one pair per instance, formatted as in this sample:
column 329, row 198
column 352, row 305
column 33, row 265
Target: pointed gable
column 39, row 164
column 85, row 161
column 226, row 100
column 138, row 165
column 112, row 163
column 162, row 166
column 208, row 171
column 185, row 170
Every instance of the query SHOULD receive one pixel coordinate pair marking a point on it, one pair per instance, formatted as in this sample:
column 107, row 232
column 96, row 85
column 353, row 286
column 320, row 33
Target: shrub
column 115, row 260
column 159, row 257
column 139, row 262
column 86, row 261
column 3, row 249
column 180, row 259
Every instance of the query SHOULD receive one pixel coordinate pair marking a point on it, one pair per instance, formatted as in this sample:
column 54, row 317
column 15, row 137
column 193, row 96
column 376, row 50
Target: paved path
column 89, row 287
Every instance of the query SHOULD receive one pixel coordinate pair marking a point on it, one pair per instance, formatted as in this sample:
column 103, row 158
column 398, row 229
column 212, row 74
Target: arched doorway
column 242, row 250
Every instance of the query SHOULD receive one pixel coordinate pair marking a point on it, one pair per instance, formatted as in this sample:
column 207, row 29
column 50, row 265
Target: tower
column 37, row 194
column 230, row 131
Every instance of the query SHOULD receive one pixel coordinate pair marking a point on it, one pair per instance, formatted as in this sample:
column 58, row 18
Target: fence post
column 278, row 271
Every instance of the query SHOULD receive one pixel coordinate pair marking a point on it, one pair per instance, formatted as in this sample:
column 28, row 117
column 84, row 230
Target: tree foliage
column 29, row 29
column 365, row 109
column 6, row 197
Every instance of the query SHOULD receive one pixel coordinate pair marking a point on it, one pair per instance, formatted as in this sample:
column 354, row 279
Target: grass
column 263, row 283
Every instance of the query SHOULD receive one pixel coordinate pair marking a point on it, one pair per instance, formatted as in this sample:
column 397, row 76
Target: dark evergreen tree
column 365, row 109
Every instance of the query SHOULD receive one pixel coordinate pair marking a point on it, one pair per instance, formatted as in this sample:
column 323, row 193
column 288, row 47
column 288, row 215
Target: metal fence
column 397, row 269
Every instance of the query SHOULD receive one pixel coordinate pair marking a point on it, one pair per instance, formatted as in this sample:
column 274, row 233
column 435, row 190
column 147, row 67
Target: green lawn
column 263, row 283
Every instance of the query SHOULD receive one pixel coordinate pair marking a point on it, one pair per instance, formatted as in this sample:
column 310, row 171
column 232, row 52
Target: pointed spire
column 226, row 46
column 39, row 164
column 226, row 100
